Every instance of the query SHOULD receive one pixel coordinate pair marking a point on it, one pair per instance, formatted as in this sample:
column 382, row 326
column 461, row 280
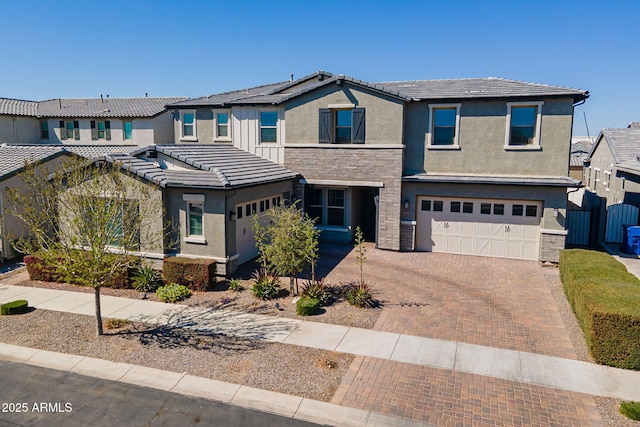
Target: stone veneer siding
column 407, row 236
column 357, row 163
column 550, row 246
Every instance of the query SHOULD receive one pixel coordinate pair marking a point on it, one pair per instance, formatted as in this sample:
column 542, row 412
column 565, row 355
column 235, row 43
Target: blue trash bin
column 631, row 244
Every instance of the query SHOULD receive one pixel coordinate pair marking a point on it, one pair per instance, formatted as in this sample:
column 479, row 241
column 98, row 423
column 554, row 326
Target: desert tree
column 288, row 243
column 87, row 220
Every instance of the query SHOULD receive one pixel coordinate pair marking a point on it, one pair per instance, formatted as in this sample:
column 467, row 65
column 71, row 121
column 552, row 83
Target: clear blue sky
column 124, row 48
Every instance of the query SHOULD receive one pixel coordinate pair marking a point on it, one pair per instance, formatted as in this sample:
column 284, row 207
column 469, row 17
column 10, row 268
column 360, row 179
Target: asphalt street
column 33, row 396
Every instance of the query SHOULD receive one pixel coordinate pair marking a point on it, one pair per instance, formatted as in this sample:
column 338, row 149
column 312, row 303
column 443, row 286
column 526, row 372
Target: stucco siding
column 482, row 132
column 384, row 115
column 19, row 130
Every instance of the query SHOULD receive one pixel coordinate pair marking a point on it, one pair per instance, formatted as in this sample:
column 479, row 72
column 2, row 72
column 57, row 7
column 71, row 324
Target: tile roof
column 623, row 143
column 560, row 181
column 413, row 90
column 490, row 87
column 13, row 157
column 216, row 166
column 107, row 107
column 18, row 107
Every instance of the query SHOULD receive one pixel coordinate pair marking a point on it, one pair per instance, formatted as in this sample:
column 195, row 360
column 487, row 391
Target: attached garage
column 245, row 212
column 486, row 227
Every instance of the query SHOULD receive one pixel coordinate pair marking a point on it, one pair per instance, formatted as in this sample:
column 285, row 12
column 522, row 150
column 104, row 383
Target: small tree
column 361, row 251
column 85, row 220
column 289, row 243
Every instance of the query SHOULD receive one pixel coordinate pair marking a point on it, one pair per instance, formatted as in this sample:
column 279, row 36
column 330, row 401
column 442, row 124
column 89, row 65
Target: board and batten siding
column 246, row 133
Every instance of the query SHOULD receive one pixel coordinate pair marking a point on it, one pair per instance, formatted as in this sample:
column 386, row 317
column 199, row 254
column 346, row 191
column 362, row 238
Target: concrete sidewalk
column 565, row 374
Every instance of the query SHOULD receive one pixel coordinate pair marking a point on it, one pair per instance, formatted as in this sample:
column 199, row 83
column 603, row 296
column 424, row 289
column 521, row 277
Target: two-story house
column 470, row 166
column 103, row 121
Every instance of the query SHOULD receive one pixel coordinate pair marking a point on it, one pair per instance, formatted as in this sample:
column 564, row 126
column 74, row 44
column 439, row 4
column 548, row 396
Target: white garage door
column 245, row 242
column 496, row 228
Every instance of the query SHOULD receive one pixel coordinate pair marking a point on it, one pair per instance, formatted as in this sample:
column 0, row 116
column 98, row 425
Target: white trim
column 333, row 228
column 216, row 259
column 278, row 130
column 341, row 183
column 195, row 239
column 341, row 106
column 456, row 143
column 523, row 147
column 408, row 222
column 536, row 137
column 554, row 232
column 193, row 197
column 344, row 146
column 229, row 136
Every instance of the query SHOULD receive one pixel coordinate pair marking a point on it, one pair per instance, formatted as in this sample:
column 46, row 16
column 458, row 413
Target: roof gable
column 623, row 143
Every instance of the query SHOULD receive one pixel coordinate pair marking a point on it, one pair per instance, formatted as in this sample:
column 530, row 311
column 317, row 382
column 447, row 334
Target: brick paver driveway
column 486, row 301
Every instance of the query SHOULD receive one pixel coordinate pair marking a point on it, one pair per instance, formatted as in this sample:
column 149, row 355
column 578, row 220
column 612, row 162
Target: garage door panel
column 493, row 234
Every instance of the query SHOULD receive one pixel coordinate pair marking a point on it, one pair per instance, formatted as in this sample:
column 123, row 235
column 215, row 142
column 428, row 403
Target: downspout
column 3, row 235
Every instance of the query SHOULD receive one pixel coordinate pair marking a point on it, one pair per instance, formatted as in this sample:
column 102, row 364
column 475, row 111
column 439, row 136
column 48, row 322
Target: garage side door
column 486, row 227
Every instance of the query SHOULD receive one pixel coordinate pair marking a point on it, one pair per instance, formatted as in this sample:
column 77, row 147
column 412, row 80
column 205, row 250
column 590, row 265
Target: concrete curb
column 234, row 394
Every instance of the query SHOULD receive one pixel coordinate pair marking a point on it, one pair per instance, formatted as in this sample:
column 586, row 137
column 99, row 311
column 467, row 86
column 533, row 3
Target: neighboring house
column 210, row 194
column 12, row 161
column 580, row 148
column 470, row 166
column 131, row 121
column 612, row 178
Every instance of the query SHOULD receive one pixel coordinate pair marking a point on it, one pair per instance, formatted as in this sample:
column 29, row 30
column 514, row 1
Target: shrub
column 265, row 285
column 630, row 410
column 38, row 270
column 307, row 306
column 195, row 274
column 317, row 289
column 359, row 295
column 235, row 285
column 115, row 323
column 146, row 279
column 15, row 307
column 173, row 292
column 606, row 301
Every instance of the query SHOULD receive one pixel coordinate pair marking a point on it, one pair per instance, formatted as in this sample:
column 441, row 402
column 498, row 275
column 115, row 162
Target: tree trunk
column 291, row 285
column 99, row 330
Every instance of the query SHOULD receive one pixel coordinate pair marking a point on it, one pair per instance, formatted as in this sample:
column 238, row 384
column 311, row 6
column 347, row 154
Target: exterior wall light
column 232, row 216
column 406, row 203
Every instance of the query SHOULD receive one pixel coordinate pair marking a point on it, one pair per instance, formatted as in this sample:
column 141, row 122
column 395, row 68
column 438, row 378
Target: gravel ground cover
column 300, row 371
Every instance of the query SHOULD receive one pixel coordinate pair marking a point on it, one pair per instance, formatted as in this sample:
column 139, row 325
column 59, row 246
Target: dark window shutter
column 357, row 131
column 76, row 130
column 107, row 130
column 63, row 130
column 325, row 125
column 94, row 131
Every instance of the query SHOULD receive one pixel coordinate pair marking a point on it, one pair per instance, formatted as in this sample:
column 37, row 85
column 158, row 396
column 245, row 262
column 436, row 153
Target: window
column 342, row 125
column 188, row 126
column 261, row 205
column 467, row 207
column 607, row 179
column 327, row 206
column 498, row 209
column 532, row 210
column 517, row 210
column 438, row 205
column 239, row 212
column 44, row 129
column 523, row 125
column 425, row 205
column 485, row 208
column 69, row 129
column 127, row 130
column 596, row 179
column 455, row 206
column 221, row 125
column 444, row 123
column 194, row 213
column 116, row 218
column 268, row 126
column 194, row 209
column 100, row 130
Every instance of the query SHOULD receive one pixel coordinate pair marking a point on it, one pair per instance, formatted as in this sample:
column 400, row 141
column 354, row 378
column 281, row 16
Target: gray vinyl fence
column 578, row 227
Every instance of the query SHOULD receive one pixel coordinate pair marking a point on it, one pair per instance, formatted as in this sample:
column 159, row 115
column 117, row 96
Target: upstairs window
column 188, row 125
column 44, row 129
column 221, row 126
column 100, row 130
column 70, row 129
column 342, row 125
column 127, row 130
column 268, row 126
column 444, row 123
column 523, row 125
